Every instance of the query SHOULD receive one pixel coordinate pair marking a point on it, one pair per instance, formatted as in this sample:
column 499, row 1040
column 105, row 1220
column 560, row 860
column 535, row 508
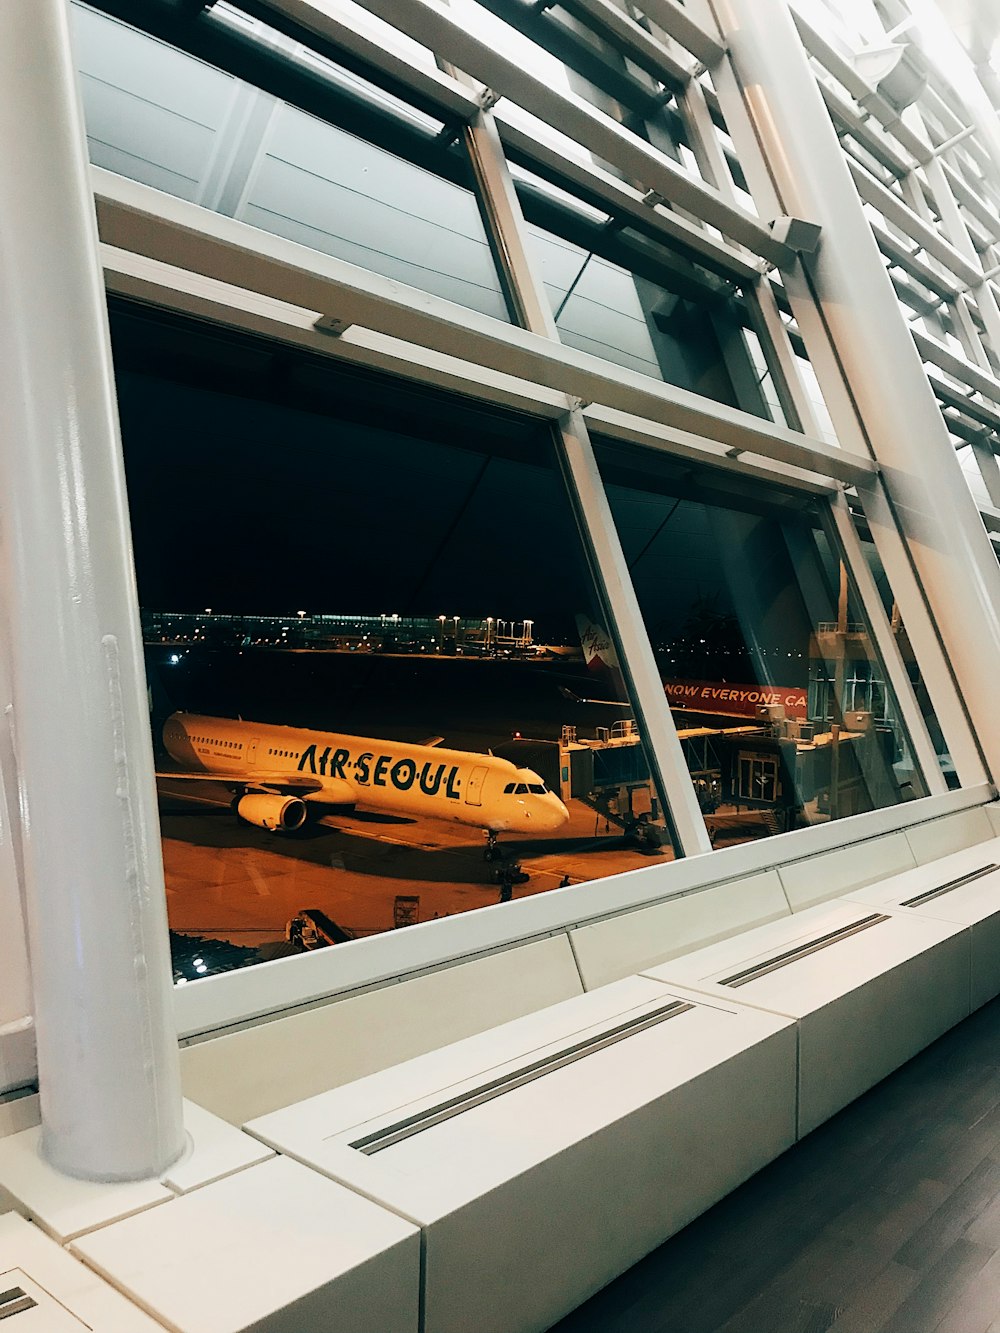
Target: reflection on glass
column 909, row 659
column 782, row 705
column 371, row 636
column 687, row 336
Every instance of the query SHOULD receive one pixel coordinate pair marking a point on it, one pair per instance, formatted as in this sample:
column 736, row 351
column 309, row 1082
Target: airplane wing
column 432, row 740
column 298, row 783
column 567, row 693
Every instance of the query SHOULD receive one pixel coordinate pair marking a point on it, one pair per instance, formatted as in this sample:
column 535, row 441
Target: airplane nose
column 556, row 815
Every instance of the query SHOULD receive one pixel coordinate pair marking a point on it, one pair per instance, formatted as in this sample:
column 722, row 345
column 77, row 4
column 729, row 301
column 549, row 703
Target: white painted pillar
column 17, row 1035
column 931, row 499
column 95, row 907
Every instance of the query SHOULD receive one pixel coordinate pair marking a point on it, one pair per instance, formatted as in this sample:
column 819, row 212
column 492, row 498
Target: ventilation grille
column 498, row 1087
column 803, row 951
column 15, row 1300
column 951, row 885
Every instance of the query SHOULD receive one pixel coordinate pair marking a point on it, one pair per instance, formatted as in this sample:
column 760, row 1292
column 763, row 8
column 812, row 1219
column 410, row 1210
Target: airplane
column 280, row 773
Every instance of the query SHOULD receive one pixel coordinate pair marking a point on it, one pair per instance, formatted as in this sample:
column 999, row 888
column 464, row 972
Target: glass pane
column 159, row 116
column 622, row 315
column 371, row 603
column 782, row 705
column 909, row 658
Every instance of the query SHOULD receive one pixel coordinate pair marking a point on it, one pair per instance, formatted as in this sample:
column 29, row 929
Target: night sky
column 263, row 479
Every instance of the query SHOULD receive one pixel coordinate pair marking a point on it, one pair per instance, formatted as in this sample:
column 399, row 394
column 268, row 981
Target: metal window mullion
column 611, row 142
column 629, row 39
column 703, row 138
column 898, row 213
column 646, row 690
column 989, row 468
column 889, row 542
column 622, row 199
column 505, row 224
column 886, row 646
column 900, row 558
column 590, row 502
column 136, row 217
column 979, row 380
column 696, row 33
column 967, row 332
column 679, row 444
column 970, row 201
column 872, row 139
column 758, row 295
column 430, row 86
column 958, row 233
column 780, row 357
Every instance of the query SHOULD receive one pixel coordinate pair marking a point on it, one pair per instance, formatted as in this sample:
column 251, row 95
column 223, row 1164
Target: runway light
column 175, row 658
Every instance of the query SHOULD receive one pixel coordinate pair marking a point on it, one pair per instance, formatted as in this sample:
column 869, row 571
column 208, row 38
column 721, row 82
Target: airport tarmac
column 229, row 880
column 232, row 881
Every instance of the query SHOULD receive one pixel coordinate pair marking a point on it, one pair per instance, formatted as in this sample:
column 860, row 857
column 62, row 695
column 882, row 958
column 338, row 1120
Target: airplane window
column 508, row 789
column 521, row 789
column 536, row 789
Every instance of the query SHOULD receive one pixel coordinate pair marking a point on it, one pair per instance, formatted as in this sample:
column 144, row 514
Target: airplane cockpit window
column 508, row 790
column 521, row 789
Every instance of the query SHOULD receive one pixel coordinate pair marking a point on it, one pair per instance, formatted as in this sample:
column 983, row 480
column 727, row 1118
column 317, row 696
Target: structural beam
column 427, row 23
column 135, row 218
column 854, row 296
column 107, row 1053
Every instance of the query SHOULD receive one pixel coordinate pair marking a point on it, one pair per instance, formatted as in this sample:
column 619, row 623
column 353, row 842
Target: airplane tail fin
column 598, row 650
column 160, row 704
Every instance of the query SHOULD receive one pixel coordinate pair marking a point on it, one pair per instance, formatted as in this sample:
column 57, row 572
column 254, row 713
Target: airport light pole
column 101, row 979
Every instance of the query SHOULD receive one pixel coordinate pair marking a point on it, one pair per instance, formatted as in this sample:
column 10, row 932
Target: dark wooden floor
column 885, row 1220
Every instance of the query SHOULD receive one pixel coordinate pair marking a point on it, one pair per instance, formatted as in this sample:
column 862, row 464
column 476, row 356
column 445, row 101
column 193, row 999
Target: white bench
column 963, row 888
column 867, row 988
column 546, row 1156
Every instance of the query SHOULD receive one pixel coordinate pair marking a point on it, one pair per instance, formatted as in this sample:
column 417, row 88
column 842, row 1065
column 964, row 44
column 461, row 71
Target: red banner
column 713, row 696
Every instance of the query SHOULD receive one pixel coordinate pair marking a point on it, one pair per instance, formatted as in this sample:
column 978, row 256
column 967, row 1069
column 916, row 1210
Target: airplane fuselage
column 395, row 776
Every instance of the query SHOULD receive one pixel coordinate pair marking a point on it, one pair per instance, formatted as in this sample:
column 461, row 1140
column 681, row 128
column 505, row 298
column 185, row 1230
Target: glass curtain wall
column 384, row 565
column 781, row 702
column 385, row 188
column 382, row 688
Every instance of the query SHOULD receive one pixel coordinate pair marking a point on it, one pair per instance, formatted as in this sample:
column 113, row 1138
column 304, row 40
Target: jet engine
column 276, row 813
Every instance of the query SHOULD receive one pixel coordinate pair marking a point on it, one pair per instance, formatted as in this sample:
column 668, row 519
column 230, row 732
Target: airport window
column 906, row 652
column 385, row 187
column 609, row 293
column 422, row 600
column 782, row 705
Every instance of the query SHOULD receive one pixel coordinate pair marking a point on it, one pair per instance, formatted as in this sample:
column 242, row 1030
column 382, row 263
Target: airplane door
column 474, row 791
column 252, row 750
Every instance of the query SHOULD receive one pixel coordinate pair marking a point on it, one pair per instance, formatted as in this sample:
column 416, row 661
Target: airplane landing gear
column 492, row 851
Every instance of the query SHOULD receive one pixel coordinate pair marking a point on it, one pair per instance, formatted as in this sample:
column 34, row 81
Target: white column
column 95, row 907
column 17, row 1036
column 931, row 500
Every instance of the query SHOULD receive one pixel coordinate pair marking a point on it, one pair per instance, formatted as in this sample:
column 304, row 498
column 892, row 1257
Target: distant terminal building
column 365, row 633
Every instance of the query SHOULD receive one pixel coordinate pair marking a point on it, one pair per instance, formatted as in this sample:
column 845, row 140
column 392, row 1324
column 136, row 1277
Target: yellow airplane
column 278, row 773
